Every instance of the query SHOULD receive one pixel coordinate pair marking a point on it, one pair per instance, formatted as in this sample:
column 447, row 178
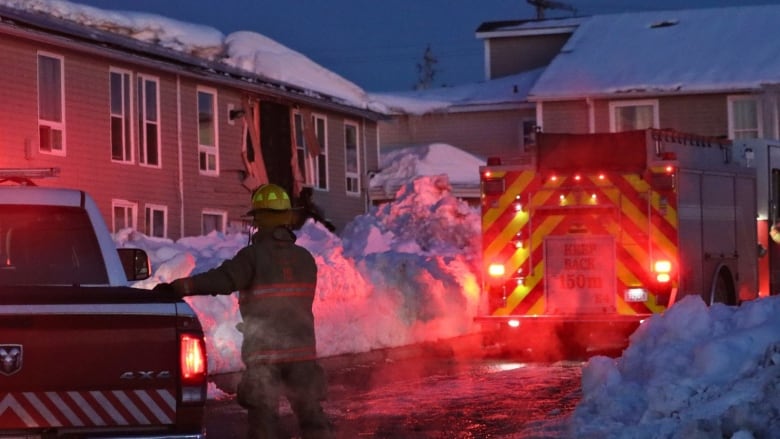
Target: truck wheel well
column 722, row 287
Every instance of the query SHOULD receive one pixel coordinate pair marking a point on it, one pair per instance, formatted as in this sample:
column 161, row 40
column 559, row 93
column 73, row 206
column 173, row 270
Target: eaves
column 469, row 108
column 84, row 39
column 526, row 32
column 476, row 108
column 638, row 94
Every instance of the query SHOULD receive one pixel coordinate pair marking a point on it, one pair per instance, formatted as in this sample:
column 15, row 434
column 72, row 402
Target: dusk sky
column 378, row 44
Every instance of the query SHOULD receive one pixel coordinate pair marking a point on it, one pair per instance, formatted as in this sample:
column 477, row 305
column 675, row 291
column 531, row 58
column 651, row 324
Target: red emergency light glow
column 602, row 176
column 193, row 357
column 487, row 174
column 513, row 323
column 553, row 178
column 669, row 169
column 577, row 177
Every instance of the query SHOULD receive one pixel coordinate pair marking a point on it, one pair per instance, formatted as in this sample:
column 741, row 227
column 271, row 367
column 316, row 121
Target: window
column 156, row 219
column 51, row 104
column 121, row 131
column 352, row 158
column 213, row 220
column 633, row 115
column 312, row 159
column 148, row 121
column 305, row 165
column 321, row 161
column 744, row 115
column 124, row 215
column 207, row 131
column 527, row 133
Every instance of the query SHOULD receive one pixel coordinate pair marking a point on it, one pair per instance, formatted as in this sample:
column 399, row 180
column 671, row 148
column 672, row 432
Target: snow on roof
column 695, row 50
column 246, row 50
column 401, row 166
column 512, row 89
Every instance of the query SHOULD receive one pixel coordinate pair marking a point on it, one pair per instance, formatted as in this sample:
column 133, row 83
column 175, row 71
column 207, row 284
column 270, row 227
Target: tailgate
column 86, row 357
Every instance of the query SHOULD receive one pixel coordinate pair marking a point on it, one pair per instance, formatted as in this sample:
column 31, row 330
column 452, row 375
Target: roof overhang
column 638, row 95
column 469, row 108
column 557, row 30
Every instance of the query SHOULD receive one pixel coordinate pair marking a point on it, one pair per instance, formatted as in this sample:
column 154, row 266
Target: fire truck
column 614, row 227
column 764, row 156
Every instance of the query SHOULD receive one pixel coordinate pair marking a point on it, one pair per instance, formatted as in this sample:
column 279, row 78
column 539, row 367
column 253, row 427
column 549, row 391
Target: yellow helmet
column 270, row 197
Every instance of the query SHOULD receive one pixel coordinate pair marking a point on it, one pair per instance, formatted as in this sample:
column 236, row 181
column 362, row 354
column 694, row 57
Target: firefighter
column 276, row 280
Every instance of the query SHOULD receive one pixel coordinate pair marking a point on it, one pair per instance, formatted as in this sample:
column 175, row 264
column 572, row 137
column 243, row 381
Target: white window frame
column 125, row 115
column 213, row 212
column 131, row 214
column 52, row 125
column 149, row 211
column 527, row 138
column 143, row 121
column 614, row 105
column 305, row 162
column 314, row 167
column 733, row 130
column 352, row 178
column 321, row 161
column 205, row 150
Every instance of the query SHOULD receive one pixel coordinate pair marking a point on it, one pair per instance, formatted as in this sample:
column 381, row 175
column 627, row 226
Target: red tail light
column 194, row 368
column 193, row 357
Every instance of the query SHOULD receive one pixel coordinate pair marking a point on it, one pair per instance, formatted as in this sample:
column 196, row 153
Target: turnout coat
column 276, row 280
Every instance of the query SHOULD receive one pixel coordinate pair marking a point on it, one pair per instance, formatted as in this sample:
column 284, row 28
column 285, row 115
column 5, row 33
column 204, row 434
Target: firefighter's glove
column 179, row 287
column 164, row 288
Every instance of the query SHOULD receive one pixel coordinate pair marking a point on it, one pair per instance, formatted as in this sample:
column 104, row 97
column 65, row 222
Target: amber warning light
column 663, row 271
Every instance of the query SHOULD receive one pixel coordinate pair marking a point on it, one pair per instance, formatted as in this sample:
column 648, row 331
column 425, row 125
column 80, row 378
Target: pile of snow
column 402, row 165
column 692, row 372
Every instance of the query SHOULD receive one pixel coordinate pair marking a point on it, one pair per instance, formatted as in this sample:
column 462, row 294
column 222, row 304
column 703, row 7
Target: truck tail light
column 663, row 270
column 192, row 351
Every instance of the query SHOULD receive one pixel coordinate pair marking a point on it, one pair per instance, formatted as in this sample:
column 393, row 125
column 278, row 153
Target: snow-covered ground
column 407, row 272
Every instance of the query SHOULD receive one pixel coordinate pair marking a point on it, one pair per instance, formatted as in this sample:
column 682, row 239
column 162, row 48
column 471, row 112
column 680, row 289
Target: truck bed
column 94, row 357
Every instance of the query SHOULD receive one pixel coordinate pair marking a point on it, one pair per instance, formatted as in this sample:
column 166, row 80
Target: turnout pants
column 304, row 385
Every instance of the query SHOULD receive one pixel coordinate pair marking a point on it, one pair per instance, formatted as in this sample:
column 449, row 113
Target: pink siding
column 88, row 165
column 484, row 133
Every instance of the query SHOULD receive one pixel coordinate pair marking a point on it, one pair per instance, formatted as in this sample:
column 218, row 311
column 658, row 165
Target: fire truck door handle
column 721, row 256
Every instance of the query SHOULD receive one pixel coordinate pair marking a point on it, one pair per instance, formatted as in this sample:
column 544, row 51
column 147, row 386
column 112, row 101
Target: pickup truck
column 82, row 354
